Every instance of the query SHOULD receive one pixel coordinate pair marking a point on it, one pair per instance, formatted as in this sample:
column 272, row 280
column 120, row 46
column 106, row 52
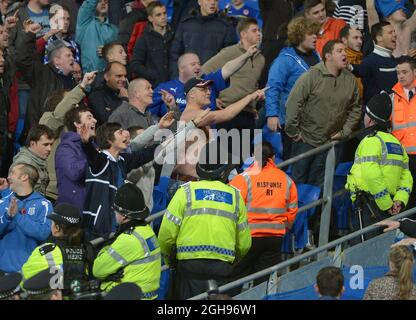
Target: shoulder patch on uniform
column 214, row 195
column 45, row 249
column 394, row 148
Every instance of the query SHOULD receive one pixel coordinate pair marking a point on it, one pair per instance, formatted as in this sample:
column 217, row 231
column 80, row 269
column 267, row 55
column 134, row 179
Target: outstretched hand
column 167, row 120
column 10, row 22
column 89, row 78
column 30, row 26
column 258, row 95
column 252, row 50
column 391, row 225
column 168, row 98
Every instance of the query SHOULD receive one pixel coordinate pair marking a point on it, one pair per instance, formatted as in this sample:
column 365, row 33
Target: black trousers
column 370, row 214
column 412, row 168
column 191, row 276
column 264, row 253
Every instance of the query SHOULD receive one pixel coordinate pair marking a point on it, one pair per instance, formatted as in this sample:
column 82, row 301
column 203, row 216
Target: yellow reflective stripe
column 50, row 260
column 188, row 195
column 387, row 162
column 211, row 211
column 384, row 151
column 173, row 218
column 268, row 210
column 275, row 226
column 116, row 256
column 288, row 186
column 359, row 160
column 404, row 126
column 152, row 258
column 237, row 200
column 242, row 226
column 142, row 242
column 249, row 189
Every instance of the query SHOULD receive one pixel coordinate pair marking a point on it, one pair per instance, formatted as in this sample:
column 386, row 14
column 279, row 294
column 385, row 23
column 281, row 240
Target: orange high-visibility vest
column 404, row 118
column 330, row 31
column 271, row 199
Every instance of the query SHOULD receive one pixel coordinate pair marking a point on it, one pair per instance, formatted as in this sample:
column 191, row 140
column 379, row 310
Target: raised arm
column 233, row 66
column 86, row 13
column 27, row 60
column 411, row 23
column 232, row 110
column 372, row 13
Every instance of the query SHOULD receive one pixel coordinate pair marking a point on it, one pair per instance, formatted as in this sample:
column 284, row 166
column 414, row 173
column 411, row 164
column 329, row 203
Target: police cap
column 66, row 214
column 215, row 162
column 129, row 201
column 379, row 108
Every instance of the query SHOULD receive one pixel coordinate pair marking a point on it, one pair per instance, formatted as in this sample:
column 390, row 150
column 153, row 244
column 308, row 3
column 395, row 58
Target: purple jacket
column 71, row 165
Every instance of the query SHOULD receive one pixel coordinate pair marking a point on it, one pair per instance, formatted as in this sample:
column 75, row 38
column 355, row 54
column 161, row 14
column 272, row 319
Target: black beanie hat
column 379, row 108
column 129, row 201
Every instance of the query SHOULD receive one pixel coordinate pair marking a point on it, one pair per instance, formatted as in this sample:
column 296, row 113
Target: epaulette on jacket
column 45, row 249
column 129, row 230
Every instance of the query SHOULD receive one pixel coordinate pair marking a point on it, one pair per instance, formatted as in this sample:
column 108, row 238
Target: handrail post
column 327, row 196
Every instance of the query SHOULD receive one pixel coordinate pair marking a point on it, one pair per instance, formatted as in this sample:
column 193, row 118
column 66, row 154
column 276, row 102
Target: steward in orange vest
column 272, row 203
column 404, row 114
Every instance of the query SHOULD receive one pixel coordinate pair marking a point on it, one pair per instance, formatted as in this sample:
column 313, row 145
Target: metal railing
column 287, row 263
column 326, row 200
column 328, row 195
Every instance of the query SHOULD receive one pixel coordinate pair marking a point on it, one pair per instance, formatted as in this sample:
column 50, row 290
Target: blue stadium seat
column 342, row 205
column 297, row 237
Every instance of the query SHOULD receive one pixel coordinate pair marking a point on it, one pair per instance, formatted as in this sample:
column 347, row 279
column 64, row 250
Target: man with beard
column 353, row 41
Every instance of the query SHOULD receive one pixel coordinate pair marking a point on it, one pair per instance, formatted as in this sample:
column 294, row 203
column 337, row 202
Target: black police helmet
column 215, row 162
column 129, row 202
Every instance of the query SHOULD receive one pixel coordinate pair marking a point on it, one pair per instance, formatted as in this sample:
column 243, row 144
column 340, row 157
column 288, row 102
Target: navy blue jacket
column 378, row 72
column 104, row 176
column 205, row 36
